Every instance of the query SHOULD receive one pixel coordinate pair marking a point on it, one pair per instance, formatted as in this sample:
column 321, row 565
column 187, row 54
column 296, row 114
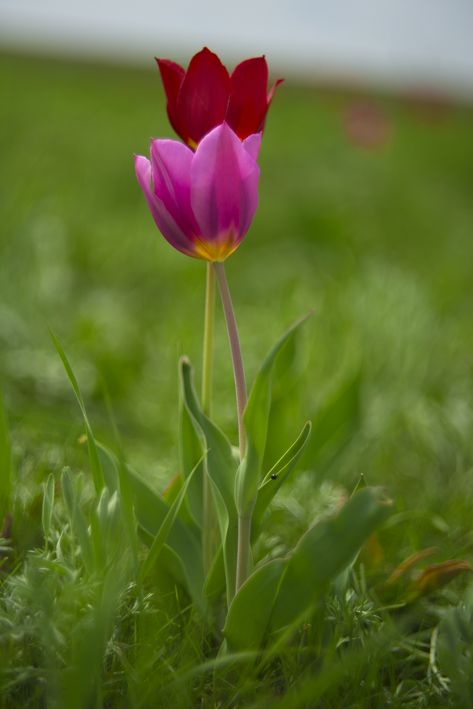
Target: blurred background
column 397, row 43
column 366, row 217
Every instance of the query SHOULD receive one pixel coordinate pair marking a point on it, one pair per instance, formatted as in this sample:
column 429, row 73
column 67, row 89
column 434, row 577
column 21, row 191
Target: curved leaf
column 221, row 469
column 190, row 452
column 249, row 613
column 281, row 470
column 255, row 419
column 325, row 551
column 336, row 421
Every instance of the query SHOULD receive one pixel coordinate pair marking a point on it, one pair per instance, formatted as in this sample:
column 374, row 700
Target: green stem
column 244, row 523
column 208, row 521
column 244, row 550
column 238, row 372
column 207, row 352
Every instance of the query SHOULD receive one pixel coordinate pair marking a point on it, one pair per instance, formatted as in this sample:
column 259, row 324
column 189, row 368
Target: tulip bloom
column 203, row 202
column 205, row 95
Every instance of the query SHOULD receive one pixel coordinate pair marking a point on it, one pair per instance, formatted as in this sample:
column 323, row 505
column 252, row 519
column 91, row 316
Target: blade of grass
column 161, row 536
column 6, row 469
column 95, row 464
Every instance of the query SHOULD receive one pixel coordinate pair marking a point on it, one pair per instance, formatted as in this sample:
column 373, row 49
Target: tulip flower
column 203, row 202
column 205, row 95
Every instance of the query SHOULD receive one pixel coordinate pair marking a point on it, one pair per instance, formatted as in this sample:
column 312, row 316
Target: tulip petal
column 203, row 97
column 172, row 76
column 273, row 90
column 252, row 144
column 171, row 167
column 248, row 101
column 163, row 219
column 224, row 186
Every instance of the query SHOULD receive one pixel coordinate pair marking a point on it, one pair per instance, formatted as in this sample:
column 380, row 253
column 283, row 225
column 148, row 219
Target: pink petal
column 171, row 170
column 224, row 186
column 163, row 219
column 252, row 144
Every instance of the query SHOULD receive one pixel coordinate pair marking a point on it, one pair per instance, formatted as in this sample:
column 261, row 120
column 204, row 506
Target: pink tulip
column 203, row 202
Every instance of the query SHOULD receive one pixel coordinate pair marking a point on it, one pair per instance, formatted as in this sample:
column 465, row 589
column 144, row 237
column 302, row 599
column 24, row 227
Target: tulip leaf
column 278, row 474
column 255, row 419
column 285, row 400
column 336, row 421
column 250, row 611
column 214, row 584
column 324, row 552
column 190, row 452
column 220, row 467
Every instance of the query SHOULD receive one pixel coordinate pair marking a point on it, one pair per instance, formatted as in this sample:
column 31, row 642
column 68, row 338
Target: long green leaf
column 255, row 420
column 336, row 421
column 190, row 451
column 324, row 552
column 277, row 476
column 221, row 469
column 97, row 472
column 250, row 611
column 214, row 584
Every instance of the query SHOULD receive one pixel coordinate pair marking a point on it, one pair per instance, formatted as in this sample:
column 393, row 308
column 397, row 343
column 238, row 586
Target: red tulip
column 205, row 95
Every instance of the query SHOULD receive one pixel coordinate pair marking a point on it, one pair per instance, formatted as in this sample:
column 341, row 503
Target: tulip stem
column 244, row 522
column 207, row 352
column 208, row 517
column 238, row 372
column 244, row 550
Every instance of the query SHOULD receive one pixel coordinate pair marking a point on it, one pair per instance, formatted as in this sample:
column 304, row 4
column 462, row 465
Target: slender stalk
column 244, row 523
column 207, row 351
column 238, row 372
column 208, row 521
column 244, row 550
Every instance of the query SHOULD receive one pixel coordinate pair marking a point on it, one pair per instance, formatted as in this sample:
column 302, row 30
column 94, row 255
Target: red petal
column 172, row 76
column 203, row 98
column 248, row 100
column 273, row 90
column 271, row 93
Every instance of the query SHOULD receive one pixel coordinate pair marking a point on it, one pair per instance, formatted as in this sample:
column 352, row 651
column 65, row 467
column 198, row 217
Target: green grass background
column 378, row 242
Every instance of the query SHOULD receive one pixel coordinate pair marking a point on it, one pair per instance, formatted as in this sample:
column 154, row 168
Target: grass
column 378, row 242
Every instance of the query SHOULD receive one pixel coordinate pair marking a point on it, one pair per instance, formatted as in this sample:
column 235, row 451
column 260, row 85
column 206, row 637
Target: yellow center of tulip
column 214, row 250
